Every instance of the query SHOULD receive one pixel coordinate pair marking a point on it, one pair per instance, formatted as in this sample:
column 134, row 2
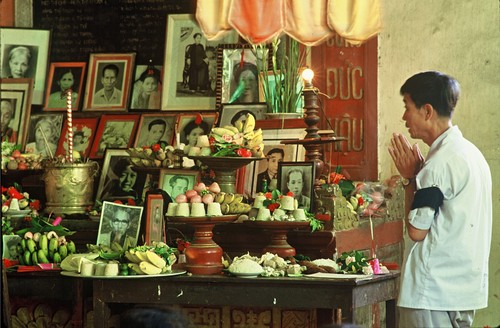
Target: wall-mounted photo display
column 84, row 130
column 147, row 88
column 114, row 131
column 63, row 77
column 190, row 126
column 298, row 178
column 177, row 182
column 155, row 129
column 108, row 82
column 119, row 223
column 190, row 65
column 15, row 102
column 231, row 113
column 43, row 134
column 119, row 180
column 24, row 53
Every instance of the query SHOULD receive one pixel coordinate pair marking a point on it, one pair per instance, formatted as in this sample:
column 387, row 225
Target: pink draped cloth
column 310, row 22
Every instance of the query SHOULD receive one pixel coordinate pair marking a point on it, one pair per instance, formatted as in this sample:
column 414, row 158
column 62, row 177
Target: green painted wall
column 461, row 38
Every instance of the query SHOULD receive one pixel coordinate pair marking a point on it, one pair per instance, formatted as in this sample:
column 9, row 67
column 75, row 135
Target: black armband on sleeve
column 428, row 197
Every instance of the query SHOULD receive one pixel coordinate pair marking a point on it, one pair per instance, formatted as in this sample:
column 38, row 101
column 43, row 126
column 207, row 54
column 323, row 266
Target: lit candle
column 70, row 125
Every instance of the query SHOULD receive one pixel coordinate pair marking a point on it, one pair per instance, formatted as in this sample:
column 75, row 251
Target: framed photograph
column 24, row 53
column 155, row 128
column 114, row 131
column 239, row 77
column 15, row 101
column 119, row 181
column 119, row 223
column 275, row 152
column 64, row 76
column 188, row 129
column 108, row 81
column 154, row 218
column 190, row 65
column 147, row 88
column 9, row 243
column 176, row 182
column 84, row 130
column 43, row 134
column 297, row 177
column 231, row 113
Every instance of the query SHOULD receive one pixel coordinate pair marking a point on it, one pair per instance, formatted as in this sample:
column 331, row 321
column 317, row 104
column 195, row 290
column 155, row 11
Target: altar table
column 215, row 290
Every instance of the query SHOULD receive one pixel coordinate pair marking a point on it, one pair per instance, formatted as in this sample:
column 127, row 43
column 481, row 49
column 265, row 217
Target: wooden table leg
column 102, row 312
column 390, row 314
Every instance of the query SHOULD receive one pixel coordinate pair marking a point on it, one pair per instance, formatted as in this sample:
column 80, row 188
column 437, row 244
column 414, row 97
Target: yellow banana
column 132, row 257
column 249, row 124
column 222, row 131
column 155, row 259
column 232, row 128
column 239, row 126
column 136, row 268
column 149, row 268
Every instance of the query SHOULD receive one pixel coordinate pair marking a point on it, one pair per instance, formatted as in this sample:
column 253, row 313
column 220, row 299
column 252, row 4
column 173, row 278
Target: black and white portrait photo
column 298, row 178
column 119, row 223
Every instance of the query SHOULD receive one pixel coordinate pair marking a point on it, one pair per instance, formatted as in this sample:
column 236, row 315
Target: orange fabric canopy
column 310, row 22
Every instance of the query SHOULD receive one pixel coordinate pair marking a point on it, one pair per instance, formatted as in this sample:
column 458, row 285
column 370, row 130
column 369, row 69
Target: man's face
column 414, row 118
column 121, row 222
column 6, row 114
column 295, row 183
column 127, row 179
column 180, row 187
column 109, row 79
column 273, row 160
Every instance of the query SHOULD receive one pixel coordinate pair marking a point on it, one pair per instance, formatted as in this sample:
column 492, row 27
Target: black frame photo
column 298, row 177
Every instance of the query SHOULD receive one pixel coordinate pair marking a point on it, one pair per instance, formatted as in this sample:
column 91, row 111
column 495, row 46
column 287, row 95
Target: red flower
column 243, row 152
column 13, row 193
column 156, row 147
column 145, row 147
column 289, row 194
column 361, row 201
column 117, row 201
column 198, row 119
column 336, row 177
column 211, row 141
column 268, row 195
column 35, row 204
column 182, row 244
column 323, row 217
column 273, row 206
column 4, row 189
column 131, row 202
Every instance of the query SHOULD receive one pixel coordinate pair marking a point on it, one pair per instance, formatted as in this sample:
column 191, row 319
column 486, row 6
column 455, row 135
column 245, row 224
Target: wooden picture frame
column 181, row 29
column 298, row 177
column 33, row 47
column 112, row 218
column 9, row 244
column 114, row 131
column 175, row 182
column 155, row 223
column 44, row 129
column 150, row 126
column 147, row 88
column 63, row 76
column 119, row 181
column 84, row 130
column 234, row 112
column 15, row 95
column 255, row 171
column 186, row 123
column 109, row 72
column 235, row 63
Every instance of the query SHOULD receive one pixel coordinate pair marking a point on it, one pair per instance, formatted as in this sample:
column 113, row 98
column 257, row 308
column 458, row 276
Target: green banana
column 43, row 244
column 57, row 258
column 53, row 244
column 34, row 258
column 31, row 245
column 135, row 268
column 42, row 258
column 23, row 244
column 71, row 247
column 21, row 258
column 63, row 251
column 116, row 247
column 51, row 255
column 27, row 258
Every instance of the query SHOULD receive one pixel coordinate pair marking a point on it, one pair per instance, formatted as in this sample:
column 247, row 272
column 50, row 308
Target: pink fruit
column 208, row 198
column 214, row 187
column 181, row 198
column 195, row 199
column 200, row 187
column 190, row 193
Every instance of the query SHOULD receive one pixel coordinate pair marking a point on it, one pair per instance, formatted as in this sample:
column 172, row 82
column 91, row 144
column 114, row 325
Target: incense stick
column 46, row 143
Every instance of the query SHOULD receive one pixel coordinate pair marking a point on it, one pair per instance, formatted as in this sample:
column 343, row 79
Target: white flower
column 367, row 270
column 350, row 259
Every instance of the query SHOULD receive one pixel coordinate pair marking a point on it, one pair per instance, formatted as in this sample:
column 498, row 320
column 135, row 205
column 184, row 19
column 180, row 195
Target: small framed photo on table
column 177, row 182
column 64, row 76
column 15, row 101
column 297, row 177
column 109, row 80
column 154, row 218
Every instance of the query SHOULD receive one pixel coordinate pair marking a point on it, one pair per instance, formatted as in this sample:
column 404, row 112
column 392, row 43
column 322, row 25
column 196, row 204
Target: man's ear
column 429, row 111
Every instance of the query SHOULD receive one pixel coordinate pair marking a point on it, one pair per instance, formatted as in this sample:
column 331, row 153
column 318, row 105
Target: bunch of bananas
column 231, row 203
column 149, row 260
column 45, row 247
column 239, row 140
column 42, row 316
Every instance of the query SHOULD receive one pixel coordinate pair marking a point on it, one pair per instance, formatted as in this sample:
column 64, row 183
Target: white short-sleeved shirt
column 448, row 270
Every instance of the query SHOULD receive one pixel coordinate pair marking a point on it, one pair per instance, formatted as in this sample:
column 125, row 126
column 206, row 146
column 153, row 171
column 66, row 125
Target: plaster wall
column 461, row 38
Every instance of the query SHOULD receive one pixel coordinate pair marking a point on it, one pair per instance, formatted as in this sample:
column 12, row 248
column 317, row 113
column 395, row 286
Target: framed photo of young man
column 15, row 103
column 64, row 76
column 298, row 177
column 119, row 223
column 108, row 82
column 154, row 218
column 190, row 66
column 177, row 182
column 84, row 130
column 24, row 53
column 155, row 129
